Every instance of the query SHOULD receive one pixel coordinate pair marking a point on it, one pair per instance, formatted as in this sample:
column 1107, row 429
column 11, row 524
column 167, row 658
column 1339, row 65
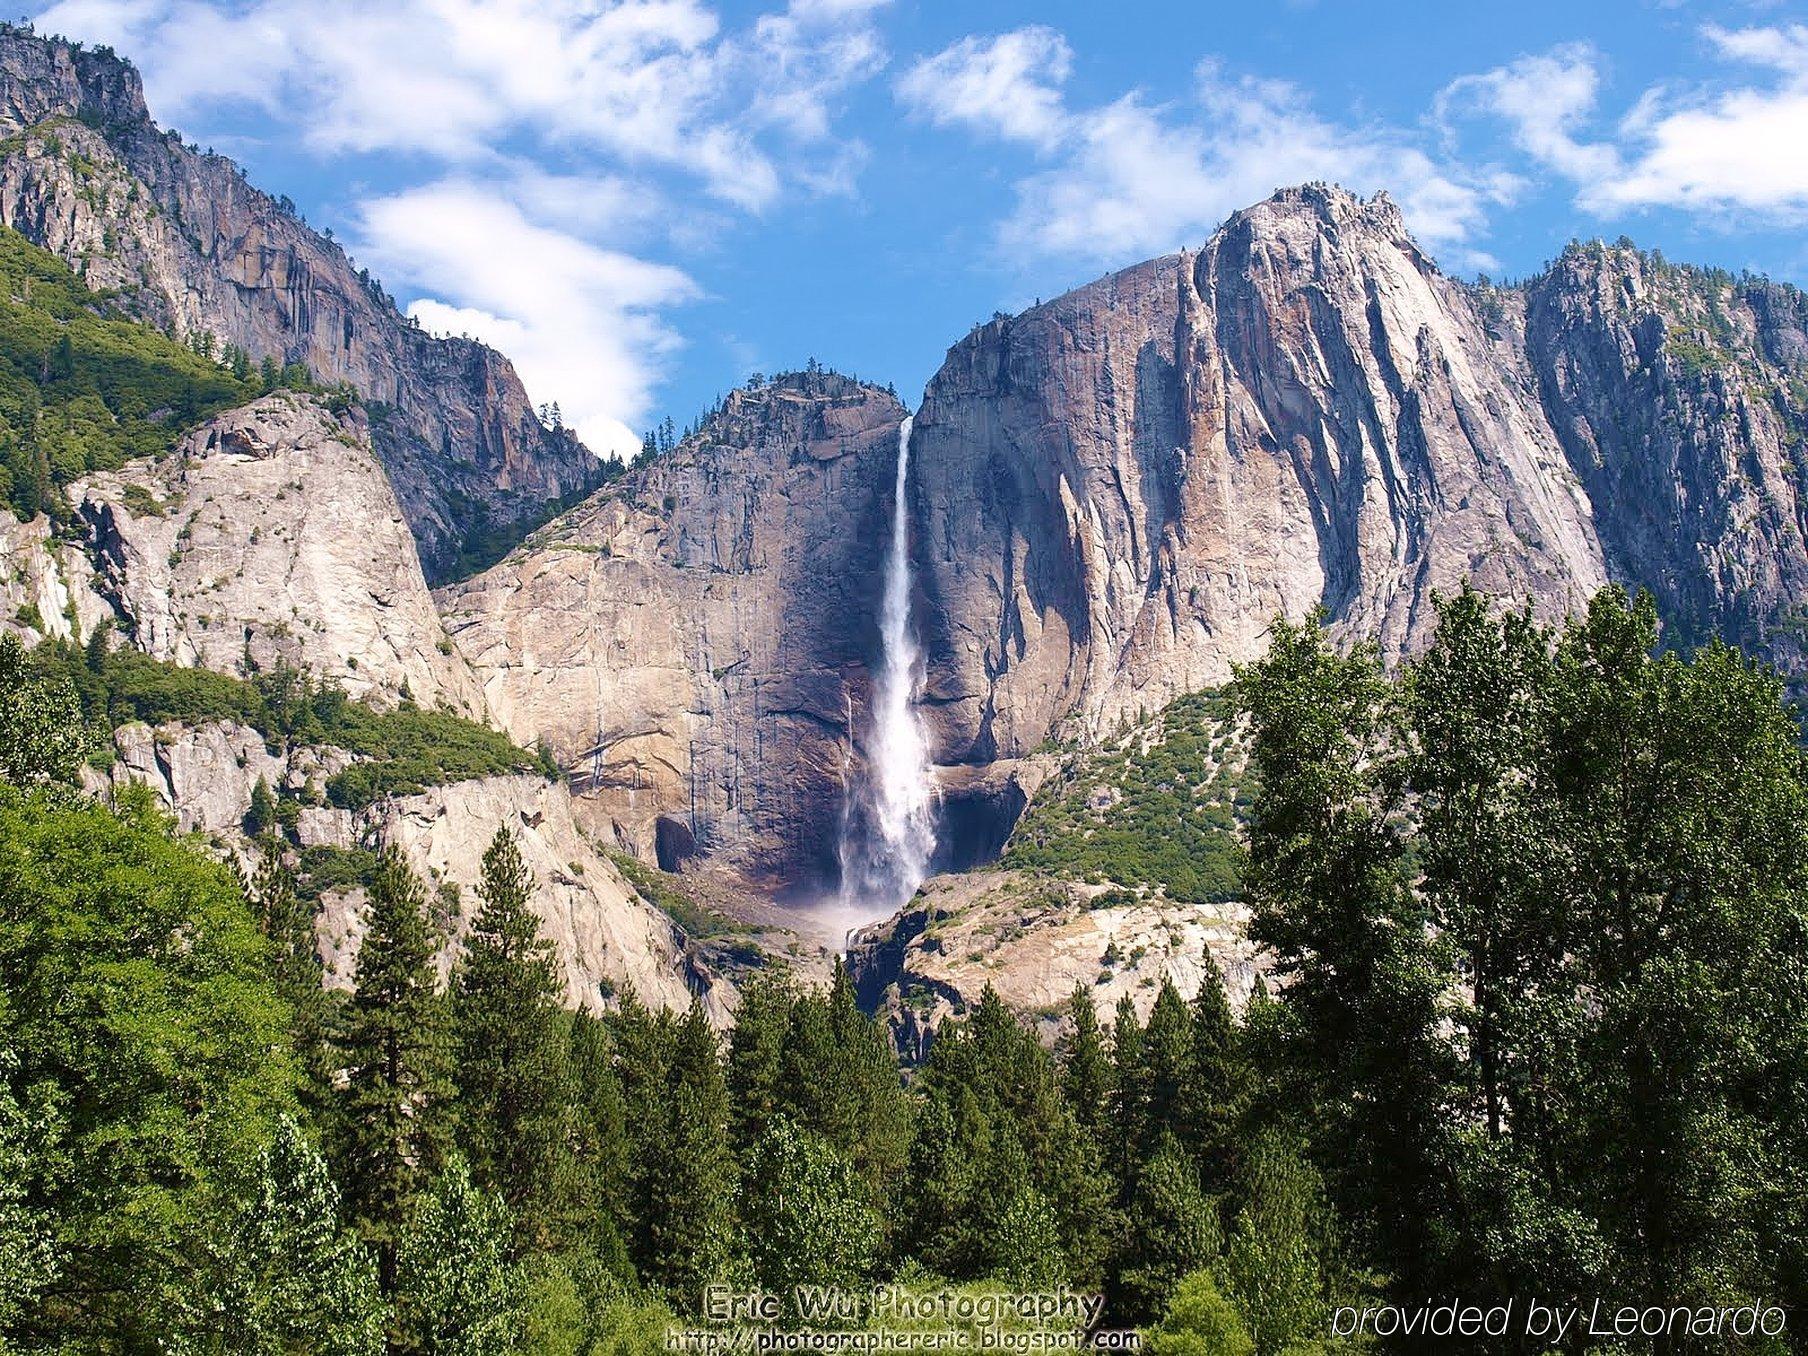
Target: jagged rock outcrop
column 272, row 533
column 46, row 584
column 605, row 935
column 189, row 245
column 1681, row 398
column 1033, row 938
column 1117, row 490
column 694, row 642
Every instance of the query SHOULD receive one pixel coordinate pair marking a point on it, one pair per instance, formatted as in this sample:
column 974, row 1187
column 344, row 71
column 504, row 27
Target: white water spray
column 888, row 822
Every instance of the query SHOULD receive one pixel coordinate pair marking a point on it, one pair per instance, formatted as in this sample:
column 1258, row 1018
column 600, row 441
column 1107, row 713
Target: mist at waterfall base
column 888, row 805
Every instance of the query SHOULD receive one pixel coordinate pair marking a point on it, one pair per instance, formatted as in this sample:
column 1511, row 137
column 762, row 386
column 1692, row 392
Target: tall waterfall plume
column 888, row 819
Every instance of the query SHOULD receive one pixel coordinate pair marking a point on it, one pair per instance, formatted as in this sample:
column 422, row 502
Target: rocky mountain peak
column 51, row 78
column 793, row 409
column 187, row 245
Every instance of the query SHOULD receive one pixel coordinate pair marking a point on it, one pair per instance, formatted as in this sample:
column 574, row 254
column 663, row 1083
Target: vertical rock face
column 192, row 247
column 694, row 644
column 1119, row 489
column 272, row 534
column 1681, row 398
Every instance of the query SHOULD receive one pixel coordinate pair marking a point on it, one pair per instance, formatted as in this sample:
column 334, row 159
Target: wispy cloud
column 1131, row 177
column 1719, row 147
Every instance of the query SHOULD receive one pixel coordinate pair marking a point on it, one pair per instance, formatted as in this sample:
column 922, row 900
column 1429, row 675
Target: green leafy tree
column 456, row 1292
column 393, row 1051
column 1199, row 1322
column 806, row 1212
column 139, row 1008
column 28, row 1136
column 292, row 1277
column 42, row 737
column 1332, row 897
column 512, row 1052
column 1275, row 1269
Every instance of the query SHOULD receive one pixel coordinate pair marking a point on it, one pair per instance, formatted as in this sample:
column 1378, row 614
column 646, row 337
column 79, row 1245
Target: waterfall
column 888, row 820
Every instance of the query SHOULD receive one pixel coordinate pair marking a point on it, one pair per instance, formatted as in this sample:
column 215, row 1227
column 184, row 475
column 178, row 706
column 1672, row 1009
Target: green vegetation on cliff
column 1158, row 806
column 84, row 388
column 400, row 751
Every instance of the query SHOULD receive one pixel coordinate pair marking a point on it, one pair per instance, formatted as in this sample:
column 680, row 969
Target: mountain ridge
column 190, row 246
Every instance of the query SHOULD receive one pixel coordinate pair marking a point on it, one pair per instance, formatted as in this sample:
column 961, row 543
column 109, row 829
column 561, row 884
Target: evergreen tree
column 755, row 1049
column 457, row 1294
column 1173, row 1230
column 261, row 817
column 1168, row 1049
column 1085, row 1064
column 1213, row 1102
column 292, row 1278
column 600, row 1148
column 684, row 1168
column 287, row 921
column 393, row 1052
column 1128, row 1099
column 509, row 1034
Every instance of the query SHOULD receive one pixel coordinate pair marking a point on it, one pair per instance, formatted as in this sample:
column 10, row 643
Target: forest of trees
column 1536, row 913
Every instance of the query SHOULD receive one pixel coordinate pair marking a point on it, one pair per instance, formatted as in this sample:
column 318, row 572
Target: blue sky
column 643, row 202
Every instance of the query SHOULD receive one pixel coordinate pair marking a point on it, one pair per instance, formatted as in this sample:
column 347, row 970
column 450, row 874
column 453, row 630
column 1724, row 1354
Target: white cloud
column 1703, row 146
column 1544, row 100
column 653, row 82
column 485, row 107
column 1007, row 86
column 1130, row 178
column 580, row 322
column 1744, row 148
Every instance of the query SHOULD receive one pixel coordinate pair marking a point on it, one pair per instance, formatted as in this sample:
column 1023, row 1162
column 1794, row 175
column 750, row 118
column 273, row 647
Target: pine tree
column 393, row 1052
column 755, row 1051
column 1168, row 1068
column 1213, row 1102
column 1129, row 1096
column 1173, row 1231
column 292, row 1277
column 1085, row 1065
column 261, row 817
column 509, row 1034
column 600, row 1147
column 456, row 1292
column 684, row 1167
column 288, row 921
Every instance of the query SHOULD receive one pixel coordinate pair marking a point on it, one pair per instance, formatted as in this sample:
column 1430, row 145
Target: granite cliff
column 1112, row 495
column 188, row 245
column 1119, row 488
column 693, row 642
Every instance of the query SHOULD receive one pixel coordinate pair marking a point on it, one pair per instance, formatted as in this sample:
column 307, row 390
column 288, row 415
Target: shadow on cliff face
column 973, row 823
